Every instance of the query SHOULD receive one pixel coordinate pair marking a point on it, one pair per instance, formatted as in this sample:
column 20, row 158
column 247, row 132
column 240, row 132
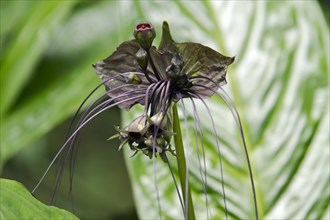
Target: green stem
column 181, row 160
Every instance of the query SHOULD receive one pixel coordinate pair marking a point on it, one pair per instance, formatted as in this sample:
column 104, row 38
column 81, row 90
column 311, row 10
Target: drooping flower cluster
column 138, row 72
column 140, row 135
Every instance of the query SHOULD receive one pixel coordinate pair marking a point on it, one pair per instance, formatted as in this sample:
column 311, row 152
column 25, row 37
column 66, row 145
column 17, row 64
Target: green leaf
column 279, row 84
column 57, row 88
column 18, row 203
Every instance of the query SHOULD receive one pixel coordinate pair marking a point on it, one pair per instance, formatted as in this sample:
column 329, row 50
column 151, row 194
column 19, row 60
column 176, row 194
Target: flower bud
column 144, row 33
column 138, row 126
column 133, row 79
column 142, row 58
column 159, row 120
column 150, row 135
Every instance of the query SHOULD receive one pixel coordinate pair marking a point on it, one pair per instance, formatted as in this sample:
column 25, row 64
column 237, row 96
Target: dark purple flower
column 156, row 77
column 180, row 69
column 139, row 73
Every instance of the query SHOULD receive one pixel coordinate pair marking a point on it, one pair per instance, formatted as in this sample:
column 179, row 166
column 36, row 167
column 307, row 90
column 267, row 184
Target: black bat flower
column 157, row 78
column 171, row 72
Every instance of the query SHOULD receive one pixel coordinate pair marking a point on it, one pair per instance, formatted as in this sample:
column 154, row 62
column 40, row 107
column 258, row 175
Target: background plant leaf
column 18, row 203
column 279, row 83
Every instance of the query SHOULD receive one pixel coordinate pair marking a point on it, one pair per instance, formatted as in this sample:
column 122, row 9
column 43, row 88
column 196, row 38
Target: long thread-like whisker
column 223, row 99
column 74, row 151
column 148, row 98
column 154, row 151
column 163, row 106
column 91, row 93
column 203, row 177
column 161, row 101
column 219, row 152
column 175, row 184
column 70, row 149
column 245, row 149
column 235, row 114
column 75, row 132
column 157, row 98
column 57, row 173
column 103, row 104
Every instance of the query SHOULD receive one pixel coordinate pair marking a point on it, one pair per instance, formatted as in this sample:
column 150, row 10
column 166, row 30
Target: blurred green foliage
column 47, row 48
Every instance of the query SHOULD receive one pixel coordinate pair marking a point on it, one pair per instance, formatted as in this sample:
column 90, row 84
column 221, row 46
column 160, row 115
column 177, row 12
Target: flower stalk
column 181, row 161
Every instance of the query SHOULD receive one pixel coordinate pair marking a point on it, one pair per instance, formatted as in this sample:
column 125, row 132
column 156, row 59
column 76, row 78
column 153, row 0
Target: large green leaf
column 18, row 203
column 279, row 84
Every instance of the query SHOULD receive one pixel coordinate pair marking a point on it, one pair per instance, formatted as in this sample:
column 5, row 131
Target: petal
column 205, row 62
column 166, row 36
column 161, row 60
column 116, row 70
column 199, row 60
